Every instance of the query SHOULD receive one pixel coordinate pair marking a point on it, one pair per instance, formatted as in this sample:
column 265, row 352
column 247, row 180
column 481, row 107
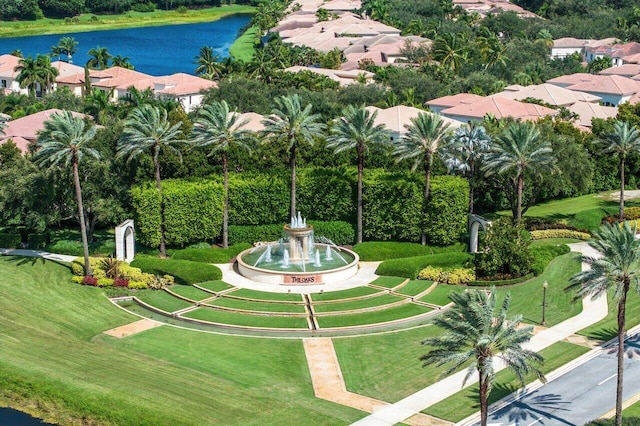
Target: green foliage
column 542, row 255
column 446, row 215
column 559, row 233
column 146, row 205
column 327, row 194
column 38, row 241
column 252, row 233
column 627, row 421
column 372, row 251
column 506, row 251
column 10, row 240
column 258, row 199
column 410, row 267
column 452, row 276
column 210, row 255
column 184, row 271
column 341, row 233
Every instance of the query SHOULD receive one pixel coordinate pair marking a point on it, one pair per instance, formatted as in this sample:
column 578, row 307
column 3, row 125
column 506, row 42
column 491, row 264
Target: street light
column 544, row 300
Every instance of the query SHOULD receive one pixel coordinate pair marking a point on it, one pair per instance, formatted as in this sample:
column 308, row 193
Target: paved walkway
column 592, row 312
column 133, row 328
column 37, row 253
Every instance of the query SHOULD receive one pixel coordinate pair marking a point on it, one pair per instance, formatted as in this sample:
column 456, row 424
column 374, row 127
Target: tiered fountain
column 297, row 259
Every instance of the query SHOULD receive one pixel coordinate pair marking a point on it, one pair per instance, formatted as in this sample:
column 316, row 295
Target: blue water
column 152, row 50
column 9, row 417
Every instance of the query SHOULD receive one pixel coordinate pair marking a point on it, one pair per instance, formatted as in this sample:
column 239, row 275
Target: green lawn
column 258, row 306
column 265, row 321
column 162, row 300
column 553, row 242
column 388, row 282
column 414, row 287
column 632, row 411
column 243, row 48
column 403, row 311
column 384, row 250
column 263, row 295
column 344, row 294
column 190, row 292
column 465, row 403
column 607, row 329
column 131, row 19
column 440, row 294
column 215, row 286
column 384, row 299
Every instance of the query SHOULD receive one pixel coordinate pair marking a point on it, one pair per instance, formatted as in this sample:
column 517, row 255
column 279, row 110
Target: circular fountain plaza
column 299, row 258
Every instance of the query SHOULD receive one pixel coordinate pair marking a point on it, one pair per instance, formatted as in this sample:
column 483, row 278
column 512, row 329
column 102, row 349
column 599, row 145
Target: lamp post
column 544, row 301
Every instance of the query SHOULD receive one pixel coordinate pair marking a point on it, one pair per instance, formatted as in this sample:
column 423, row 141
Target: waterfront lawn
column 131, row 19
column 247, row 320
column 263, row 295
column 190, row 292
column 162, row 300
column 250, row 305
column 607, row 328
column 464, row 403
column 383, row 299
column 243, row 48
column 344, row 294
column 395, row 313
column 56, row 363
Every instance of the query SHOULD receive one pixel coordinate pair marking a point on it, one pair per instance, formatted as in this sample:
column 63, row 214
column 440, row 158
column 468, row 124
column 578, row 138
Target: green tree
column 357, row 129
column 208, row 63
column 505, row 252
column 122, row 61
column 63, row 142
column 425, row 136
column 67, row 46
column 623, row 142
column 518, row 150
column 218, row 129
column 451, row 50
column 99, row 58
column 293, row 126
column 599, row 64
column 28, row 76
column 477, row 331
column 147, row 130
column 618, row 270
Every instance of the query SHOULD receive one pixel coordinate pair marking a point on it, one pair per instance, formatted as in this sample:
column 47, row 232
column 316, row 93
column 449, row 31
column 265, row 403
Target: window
column 3, row 84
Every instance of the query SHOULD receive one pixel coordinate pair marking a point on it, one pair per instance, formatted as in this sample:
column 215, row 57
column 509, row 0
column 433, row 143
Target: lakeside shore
column 91, row 22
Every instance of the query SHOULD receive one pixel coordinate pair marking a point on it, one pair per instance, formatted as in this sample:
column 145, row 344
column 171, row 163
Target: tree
column 468, row 145
column 478, row 331
column 147, row 130
column 218, row 129
column 46, row 73
column 67, row 46
column 519, row 149
column 451, row 51
column 618, row 270
column 599, row 64
column 99, row 58
column 208, row 63
column 357, row 129
column 623, row 142
column 426, row 135
column 292, row 125
column 122, row 61
column 63, row 142
column 34, row 72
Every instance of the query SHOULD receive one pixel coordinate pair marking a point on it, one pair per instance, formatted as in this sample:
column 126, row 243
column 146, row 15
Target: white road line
column 533, row 423
column 607, row 379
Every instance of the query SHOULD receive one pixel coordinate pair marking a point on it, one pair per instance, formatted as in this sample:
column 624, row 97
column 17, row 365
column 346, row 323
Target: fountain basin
column 300, row 272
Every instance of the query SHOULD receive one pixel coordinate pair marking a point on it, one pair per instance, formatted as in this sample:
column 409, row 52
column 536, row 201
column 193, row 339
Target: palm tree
column 478, row 331
column 28, row 74
column 623, row 142
column 63, row 141
column 617, row 270
column 122, row 61
column 47, row 73
column 219, row 129
column 292, row 125
column 426, row 134
column 451, row 51
column 519, row 149
column 468, row 145
column 147, row 130
column 68, row 46
column 208, row 63
column 357, row 129
column 99, row 58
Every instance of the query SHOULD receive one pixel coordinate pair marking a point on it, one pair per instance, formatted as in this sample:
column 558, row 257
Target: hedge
column 10, row 241
column 371, row 251
column 501, row 282
column 545, row 254
column 210, row 255
column 338, row 232
column 184, row 271
column 146, row 204
column 447, row 210
column 38, row 241
column 559, row 233
column 410, row 267
column 325, row 194
column 257, row 199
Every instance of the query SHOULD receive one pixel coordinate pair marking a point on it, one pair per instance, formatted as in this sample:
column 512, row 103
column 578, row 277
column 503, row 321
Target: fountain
column 298, row 259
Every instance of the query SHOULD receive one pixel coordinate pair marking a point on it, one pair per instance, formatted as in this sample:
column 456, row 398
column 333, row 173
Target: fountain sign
column 302, row 279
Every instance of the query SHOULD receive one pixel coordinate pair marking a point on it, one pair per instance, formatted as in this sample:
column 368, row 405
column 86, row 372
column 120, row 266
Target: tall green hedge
column 256, row 199
column 146, row 204
column 447, row 210
column 327, row 194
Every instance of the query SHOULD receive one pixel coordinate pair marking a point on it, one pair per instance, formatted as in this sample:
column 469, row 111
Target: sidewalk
column 592, row 312
column 37, row 253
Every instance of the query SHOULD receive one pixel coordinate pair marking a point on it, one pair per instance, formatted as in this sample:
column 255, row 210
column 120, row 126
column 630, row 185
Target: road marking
column 533, row 423
column 607, row 379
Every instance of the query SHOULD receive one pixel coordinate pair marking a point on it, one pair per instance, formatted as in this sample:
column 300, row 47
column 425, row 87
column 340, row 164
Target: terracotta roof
column 631, row 59
column 608, row 84
column 66, row 69
column 364, row 44
column 455, row 100
column 8, row 63
column 549, row 94
column 116, row 77
column 397, row 118
column 570, row 42
column 181, row 84
column 587, row 111
column 500, row 108
column 570, row 79
column 626, row 70
column 71, row 79
column 344, row 77
column 254, row 123
column 617, row 50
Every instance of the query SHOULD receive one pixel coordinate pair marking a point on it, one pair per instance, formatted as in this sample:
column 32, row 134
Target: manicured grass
column 69, row 242
column 553, row 242
column 388, row 282
column 384, row 250
column 109, row 22
column 344, row 294
column 607, row 329
column 243, row 48
column 440, row 294
column 410, row 267
column 404, row 311
column 190, row 292
column 184, row 271
column 465, row 402
column 263, row 295
column 257, row 306
column 212, row 315
column 414, row 287
column 210, row 255
column 632, row 411
column 215, row 285
column 162, row 300
column 371, row 302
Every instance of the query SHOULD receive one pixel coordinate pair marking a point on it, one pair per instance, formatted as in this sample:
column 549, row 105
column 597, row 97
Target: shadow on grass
column 32, row 260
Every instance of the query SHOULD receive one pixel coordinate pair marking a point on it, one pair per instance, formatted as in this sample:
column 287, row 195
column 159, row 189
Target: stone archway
column 475, row 222
column 125, row 241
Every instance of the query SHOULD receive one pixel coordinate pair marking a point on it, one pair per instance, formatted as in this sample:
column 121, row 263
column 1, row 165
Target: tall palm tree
column 519, row 149
column 68, row 46
column 623, row 142
column 218, row 129
column 478, row 331
column 426, row 134
column 28, row 76
column 47, row 73
column 451, row 51
column 292, row 125
column 122, row 61
column 357, row 129
column 99, row 58
column 468, row 145
column 618, row 270
column 148, row 130
column 208, row 63
column 61, row 143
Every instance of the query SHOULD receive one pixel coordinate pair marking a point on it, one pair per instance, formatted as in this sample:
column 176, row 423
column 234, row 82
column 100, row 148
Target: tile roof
column 500, row 108
column 181, row 84
column 626, row 70
column 587, row 111
column 254, row 121
column 549, row 94
column 608, row 84
column 632, row 59
column 570, row 79
column 455, row 100
column 66, row 69
column 116, row 77
column 8, row 63
column 397, row 118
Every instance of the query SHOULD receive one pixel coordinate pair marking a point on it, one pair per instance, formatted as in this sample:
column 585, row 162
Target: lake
column 153, row 50
column 9, row 417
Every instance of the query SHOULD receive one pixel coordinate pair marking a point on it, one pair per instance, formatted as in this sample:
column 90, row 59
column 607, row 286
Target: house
column 345, row 78
column 117, row 81
column 613, row 89
column 253, row 121
column 615, row 51
column 631, row 59
column 587, row 111
column 24, row 131
column 70, row 76
column 439, row 104
column 626, row 70
column 381, row 50
column 184, row 88
column 571, row 79
column 567, row 46
column 330, row 5
column 549, row 94
column 8, row 74
column 485, row 7
column 397, row 118
column 499, row 108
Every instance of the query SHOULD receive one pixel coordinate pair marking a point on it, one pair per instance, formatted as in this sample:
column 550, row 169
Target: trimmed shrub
column 257, row 199
column 559, row 233
column 210, row 255
column 10, row 240
column 120, row 282
column 498, row 283
column 383, row 250
column 131, row 273
column 92, row 281
column 410, row 267
column 453, row 276
column 77, row 279
column 137, row 285
column 506, row 251
column 446, row 213
column 77, row 267
column 185, row 271
column 105, row 282
column 338, row 232
column 253, row 233
column 325, row 194
column 545, row 254
column 146, row 205
column 38, row 241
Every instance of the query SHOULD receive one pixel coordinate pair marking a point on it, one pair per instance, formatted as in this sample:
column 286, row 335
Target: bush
column 144, row 7
column 77, row 267
column 92, row 281
column 10, row 241
column 256, row 199
column 252, row 233
column 626, row 421
column 588, row 219
column 505, row 252
column 105, row 282
column 383, row 250
column 453, row 276
column 559, row 233
column 325, row 194
column 340, row 233
column 120, row 282
column 210, row 255
column 38, row 241
column 185, row 271
column 446, row 213
column 77, row 279
column 540, row 224
column 410, row 267
column 137, row 285
column 544, row 254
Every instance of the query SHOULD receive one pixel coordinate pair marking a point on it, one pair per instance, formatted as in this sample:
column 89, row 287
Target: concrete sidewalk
column 592, row 312
column 37, row 253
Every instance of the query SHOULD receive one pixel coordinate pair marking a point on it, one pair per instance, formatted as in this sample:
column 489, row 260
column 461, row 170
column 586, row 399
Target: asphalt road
column 582, row 394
